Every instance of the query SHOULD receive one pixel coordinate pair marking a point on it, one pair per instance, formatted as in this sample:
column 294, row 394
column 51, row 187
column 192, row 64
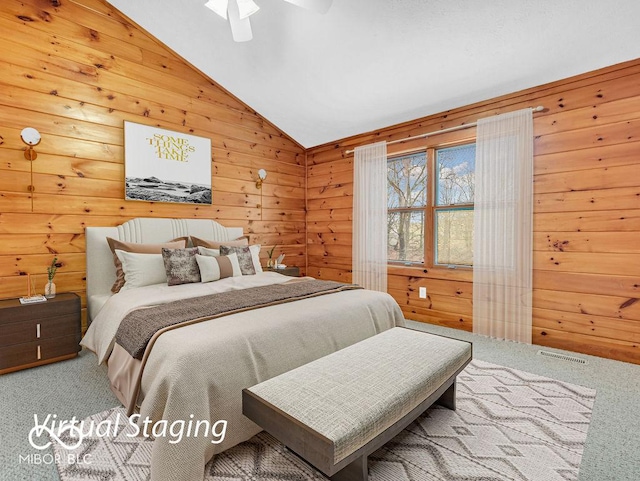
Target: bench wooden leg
column 448, row 398
column 355, row 471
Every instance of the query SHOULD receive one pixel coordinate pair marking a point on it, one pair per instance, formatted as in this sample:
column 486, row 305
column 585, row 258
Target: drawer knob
column 38, row 331
column 39, row 354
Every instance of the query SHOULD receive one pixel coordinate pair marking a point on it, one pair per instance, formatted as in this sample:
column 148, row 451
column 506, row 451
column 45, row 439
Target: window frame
column 430, row 208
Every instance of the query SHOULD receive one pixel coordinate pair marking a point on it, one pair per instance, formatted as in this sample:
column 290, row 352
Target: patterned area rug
column 509, row 425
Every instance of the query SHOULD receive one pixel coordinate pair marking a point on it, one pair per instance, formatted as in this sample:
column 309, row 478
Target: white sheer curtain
column 502, row 246
column 370, row 216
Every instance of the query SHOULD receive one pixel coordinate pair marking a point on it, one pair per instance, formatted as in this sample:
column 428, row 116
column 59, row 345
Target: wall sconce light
column 31, row 137
column 262, row 174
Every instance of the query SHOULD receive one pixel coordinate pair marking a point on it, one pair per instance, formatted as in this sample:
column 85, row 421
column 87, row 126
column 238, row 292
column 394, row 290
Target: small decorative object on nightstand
column 36, row 334
column 50, row 288
column 270, row 262
column 287, row 271
column 31, row 297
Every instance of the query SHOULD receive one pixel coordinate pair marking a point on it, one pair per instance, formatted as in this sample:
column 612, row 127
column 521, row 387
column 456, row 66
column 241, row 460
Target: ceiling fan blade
column 247, row 8
column 240, row 27
column 218, row 6
column 318, row 6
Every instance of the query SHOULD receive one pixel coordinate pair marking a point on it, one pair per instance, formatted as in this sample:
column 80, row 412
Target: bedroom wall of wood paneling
column 586, row 219
column 76, row 72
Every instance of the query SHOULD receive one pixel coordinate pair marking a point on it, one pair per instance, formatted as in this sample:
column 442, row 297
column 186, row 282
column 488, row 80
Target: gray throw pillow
column 181, row 266
column 244, row 258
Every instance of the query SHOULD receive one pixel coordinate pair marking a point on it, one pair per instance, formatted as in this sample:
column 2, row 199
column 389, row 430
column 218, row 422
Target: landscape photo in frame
column 166, row 166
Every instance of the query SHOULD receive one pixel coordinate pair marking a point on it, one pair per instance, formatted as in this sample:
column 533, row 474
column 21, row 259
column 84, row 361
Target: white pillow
column 253, row 249
column 216, row 268
column 255, row 257
column 141, row 269
column 206, row 251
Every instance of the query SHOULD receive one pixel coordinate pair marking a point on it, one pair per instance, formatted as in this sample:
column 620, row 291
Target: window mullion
column 429, row 233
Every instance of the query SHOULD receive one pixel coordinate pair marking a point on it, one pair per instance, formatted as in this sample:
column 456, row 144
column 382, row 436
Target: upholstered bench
column 335, row 411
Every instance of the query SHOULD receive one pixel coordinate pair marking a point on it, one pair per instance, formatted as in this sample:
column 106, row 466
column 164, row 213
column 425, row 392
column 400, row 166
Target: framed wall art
column 165, row 166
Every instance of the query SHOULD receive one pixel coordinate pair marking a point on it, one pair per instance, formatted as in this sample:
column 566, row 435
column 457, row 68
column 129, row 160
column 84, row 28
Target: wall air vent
column 562, row 357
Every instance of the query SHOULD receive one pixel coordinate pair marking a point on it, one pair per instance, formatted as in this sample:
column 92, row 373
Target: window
column 430, row 206
column 454, row 205
column 407, row 199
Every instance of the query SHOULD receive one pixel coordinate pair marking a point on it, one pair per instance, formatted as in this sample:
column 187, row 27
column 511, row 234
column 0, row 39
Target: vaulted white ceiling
column 368, row 64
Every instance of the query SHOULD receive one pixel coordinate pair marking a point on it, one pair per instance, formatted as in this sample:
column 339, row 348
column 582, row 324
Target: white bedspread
column 201, row 369
column 102, row 332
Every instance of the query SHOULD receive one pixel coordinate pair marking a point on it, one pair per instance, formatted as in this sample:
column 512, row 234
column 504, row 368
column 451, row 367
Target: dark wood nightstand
column 287, row 271
column 36, row 334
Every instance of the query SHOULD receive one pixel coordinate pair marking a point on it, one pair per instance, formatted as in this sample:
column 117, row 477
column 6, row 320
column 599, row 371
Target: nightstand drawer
column 36, row 334
column 32, row 352
column 12, row 311
column 34, row 329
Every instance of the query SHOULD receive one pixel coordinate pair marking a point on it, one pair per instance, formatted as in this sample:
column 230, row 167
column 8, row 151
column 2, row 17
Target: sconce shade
column 31, row 137
column 262, row 174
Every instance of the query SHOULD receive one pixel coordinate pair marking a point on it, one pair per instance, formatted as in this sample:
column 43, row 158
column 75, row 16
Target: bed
column 197, row 372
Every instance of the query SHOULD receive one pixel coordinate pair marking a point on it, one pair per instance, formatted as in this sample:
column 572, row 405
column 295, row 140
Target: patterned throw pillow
column 255, row 254
column 204, row 251
column 245, row 258
column 181, row 266
column 219, row 267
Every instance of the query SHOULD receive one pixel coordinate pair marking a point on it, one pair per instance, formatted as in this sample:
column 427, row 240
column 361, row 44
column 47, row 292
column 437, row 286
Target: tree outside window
column 453, row 211
column 431, row 222
column 407, row 199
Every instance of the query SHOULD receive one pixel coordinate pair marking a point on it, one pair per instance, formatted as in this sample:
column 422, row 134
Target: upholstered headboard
column 101, row 272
